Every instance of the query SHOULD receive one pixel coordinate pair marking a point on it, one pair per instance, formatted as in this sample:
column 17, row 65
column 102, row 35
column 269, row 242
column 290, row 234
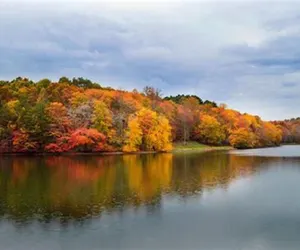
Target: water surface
column 282, row 151
column 210, row 201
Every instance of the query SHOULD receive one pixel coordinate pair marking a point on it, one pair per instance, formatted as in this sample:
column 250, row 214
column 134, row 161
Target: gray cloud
column 244, row 54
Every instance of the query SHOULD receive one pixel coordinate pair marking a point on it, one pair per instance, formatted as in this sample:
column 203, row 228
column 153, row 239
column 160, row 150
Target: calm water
column 210, row 201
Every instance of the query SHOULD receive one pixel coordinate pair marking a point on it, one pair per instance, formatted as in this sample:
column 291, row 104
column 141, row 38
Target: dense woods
column 290, row 130
column 81, row 116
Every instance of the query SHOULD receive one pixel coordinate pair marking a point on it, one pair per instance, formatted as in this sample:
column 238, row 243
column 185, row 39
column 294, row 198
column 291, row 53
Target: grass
column 193, row 146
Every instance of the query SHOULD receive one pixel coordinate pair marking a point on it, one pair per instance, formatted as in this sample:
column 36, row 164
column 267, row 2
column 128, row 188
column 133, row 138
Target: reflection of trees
column 149, row 175
column 68, row 187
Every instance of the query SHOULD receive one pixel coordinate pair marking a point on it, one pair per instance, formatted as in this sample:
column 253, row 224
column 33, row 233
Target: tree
column 85, row 140
column 102, row 117
column 59, row 120
column 34, row 122
column 159, row 136
column 43, row 83
column 64, row 79
column 5, row 130
column 54, row 116
column 210, row 103
column 23, row 143
column 269, row 134
column 80, row 140
column 148, row 131
column 169, row 110
column 81, row 116
column 242, row 138
column 134, row 136
column 153, row 94
column 210, row 131
column 180, row 98
column 185, row 120
column 122, row 106
column 85, row 83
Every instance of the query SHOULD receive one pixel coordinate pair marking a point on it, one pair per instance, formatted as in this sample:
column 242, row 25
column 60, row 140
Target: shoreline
column 176, row 150
column 206, row 149
column 190, row 147
column 182, row 149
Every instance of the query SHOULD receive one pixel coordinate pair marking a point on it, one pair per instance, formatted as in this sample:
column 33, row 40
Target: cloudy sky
column 245, row 54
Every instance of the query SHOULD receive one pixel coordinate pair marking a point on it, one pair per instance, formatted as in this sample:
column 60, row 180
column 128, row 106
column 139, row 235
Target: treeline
column 290, row 130
column 81, row 116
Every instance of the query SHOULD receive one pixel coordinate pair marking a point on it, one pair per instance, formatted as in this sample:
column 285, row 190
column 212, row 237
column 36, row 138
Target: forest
column 78, row 115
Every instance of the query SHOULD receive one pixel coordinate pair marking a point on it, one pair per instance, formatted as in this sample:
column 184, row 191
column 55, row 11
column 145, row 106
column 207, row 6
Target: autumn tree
column 185, row 120
column 21, row 142
column 85, row 83
column 102, row 117
column 5, row 131
column 180, row 98
column 34, row 122
column 169, row 110
column 80, row 140
column 153, row 94
column 134, row 135
column 269, row 135
column 122, row 107
column 43, row 83
column 64, row 79
column 80, row 115
column 60, row 124
column 148, row 131
column 210, row 131
column 243, row 138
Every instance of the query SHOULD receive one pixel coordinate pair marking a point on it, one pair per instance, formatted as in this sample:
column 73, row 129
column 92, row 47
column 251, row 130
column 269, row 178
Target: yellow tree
column 158, row 136
column 134, row 135
column 148, row 131
column 242, row 138
column 210, row 131
column 269, row 134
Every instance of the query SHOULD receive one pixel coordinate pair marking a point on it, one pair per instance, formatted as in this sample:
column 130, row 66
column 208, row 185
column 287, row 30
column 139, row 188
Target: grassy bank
column 196, row 147
column 178, row 147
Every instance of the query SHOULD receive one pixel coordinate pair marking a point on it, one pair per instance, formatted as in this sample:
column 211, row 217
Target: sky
column 245, row 54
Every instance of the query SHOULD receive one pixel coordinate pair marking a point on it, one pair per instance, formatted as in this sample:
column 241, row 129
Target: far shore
column 192, row 146
column 177, row 148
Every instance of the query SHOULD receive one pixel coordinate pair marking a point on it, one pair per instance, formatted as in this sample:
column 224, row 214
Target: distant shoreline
column 178, row 148
column 189, row 147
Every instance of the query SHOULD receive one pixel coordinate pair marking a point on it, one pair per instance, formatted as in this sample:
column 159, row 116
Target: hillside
column 81, row 116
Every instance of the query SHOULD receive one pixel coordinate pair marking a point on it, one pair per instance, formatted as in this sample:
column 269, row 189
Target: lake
column 247, row 199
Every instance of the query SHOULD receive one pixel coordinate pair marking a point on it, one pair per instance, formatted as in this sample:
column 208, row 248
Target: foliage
column 148, row 131
column 80, row 115
column 210, row 131
column 102, row 118
column 80, row 140
column 243, row 138
column 134, row 135
column 180, row 98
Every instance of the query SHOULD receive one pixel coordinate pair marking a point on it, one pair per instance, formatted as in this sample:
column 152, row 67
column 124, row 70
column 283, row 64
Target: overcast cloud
column 244, row 54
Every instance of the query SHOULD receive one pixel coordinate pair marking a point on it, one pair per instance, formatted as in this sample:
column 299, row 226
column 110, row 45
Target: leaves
column 80, row 115
column 102, row 117
column 148, row 131
column 243, row 138
column 134, row 135
column 210, row 131
column 80, row 140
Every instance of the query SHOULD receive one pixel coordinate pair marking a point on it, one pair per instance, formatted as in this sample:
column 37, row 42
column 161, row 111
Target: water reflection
column 77, row 188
